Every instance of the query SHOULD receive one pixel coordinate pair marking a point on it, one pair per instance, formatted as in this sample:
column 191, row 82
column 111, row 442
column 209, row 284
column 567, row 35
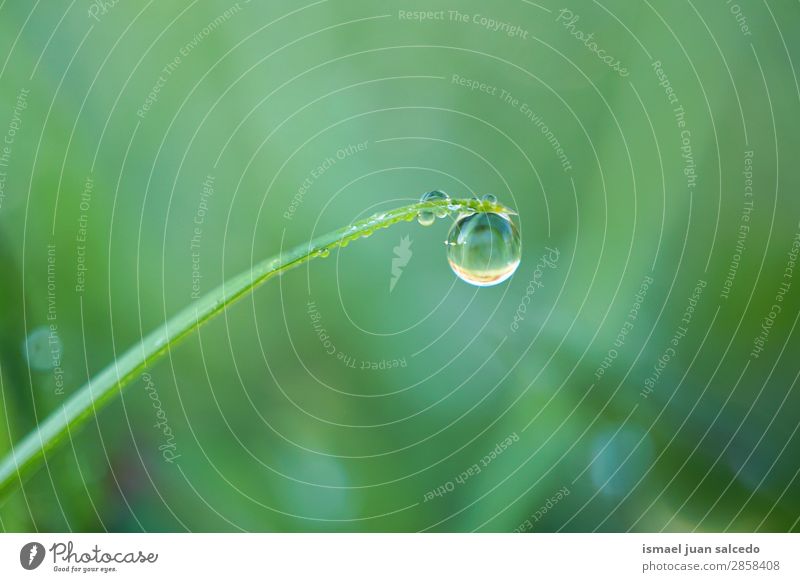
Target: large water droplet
column 484, row 248
column 43, row 349
column 428, row 217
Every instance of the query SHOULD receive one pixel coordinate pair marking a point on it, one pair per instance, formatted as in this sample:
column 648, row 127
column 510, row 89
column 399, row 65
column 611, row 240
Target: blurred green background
column 158, row 148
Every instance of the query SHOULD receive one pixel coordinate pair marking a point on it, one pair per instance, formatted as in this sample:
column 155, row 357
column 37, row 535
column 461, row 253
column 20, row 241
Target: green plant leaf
column 28, row 454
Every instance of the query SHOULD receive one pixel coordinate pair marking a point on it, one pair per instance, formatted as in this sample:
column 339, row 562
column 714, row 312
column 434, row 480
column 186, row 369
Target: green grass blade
column 28, row 454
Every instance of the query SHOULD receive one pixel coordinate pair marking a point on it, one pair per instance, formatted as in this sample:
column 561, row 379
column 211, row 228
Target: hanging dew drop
column 484, row 248
column 428, row 217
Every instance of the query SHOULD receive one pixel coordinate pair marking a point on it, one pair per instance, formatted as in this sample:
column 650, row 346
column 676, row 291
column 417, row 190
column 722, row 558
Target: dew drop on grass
column 428, row 217
column 42, row 349
column 484, row 248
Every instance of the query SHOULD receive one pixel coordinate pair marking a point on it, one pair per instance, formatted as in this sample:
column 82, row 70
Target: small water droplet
column 484, row 248
column 490, row 198
column 43, row 349
column 324, row 253
column 428, row 217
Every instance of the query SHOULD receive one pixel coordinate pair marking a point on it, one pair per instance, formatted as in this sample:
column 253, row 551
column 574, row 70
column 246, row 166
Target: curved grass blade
column 29, row 453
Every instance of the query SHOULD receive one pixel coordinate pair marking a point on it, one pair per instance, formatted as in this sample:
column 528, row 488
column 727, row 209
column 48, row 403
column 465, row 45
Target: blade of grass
column 29, row 454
